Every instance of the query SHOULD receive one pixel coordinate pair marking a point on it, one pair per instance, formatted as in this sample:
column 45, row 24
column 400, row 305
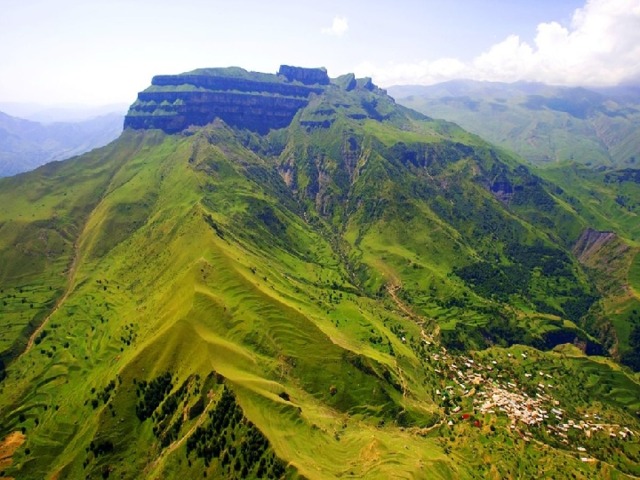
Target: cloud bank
column 600, row 47
column 338, row 28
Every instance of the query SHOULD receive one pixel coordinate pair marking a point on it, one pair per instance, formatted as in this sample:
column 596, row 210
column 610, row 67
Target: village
column 471, row 390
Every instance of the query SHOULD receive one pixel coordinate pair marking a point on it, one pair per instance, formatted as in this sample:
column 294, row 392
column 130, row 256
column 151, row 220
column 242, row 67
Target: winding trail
column 176, row 444
column 73, row 267
column 392, row 289
column 71, row 275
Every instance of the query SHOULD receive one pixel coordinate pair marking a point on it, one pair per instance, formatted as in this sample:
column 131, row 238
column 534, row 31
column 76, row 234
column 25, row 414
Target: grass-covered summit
column 246, row 100
column 364, row 293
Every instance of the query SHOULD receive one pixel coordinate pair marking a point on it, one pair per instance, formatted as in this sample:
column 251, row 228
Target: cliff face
column 308, row 76
column 255, row 101
column 590, row 243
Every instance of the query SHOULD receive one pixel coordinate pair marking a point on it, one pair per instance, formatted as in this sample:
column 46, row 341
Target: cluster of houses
column 492, row 391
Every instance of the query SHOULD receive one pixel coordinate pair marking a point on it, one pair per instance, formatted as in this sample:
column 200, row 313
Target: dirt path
column 424, row 431
column 403, row 382
column 393, row 289
column 71, row 275
column 8, row 447
column 176, row 444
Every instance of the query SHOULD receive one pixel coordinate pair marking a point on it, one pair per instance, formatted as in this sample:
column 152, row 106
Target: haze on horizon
column 103, row 52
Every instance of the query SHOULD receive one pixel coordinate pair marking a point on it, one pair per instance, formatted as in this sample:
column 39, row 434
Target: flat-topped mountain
column 250, row 100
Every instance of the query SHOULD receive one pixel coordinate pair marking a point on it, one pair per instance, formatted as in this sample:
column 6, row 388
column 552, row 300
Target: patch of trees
column 106, row 391
column 578, row 304
column 550, row 261
column 360, row 362
column 631, row 357
column 623, row 175
column 533, row 193
column 39, row 338
column 168, row 425
column 493, row 281
column 216, row 228
column 102, row 447
column 104, row 395
column 552, row 338
column 152, row 394
column 499, row 281
column 207, row 441
column 543, row 307
column 499, row 330
column 197, row 408
column 391, row 380
column 129, row 335
column 234, row 443
column 270, row 220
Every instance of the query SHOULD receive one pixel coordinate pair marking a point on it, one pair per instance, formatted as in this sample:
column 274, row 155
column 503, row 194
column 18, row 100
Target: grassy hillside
column 339, row 298
column 584, row 143
column 607, row 199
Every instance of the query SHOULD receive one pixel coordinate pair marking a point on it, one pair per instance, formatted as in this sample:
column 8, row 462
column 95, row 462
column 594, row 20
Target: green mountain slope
column 608, row 200
column 544, row 124
column 550, row 126
column 341, row 297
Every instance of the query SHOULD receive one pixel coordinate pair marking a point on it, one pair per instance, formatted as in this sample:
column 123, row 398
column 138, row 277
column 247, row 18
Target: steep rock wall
column 255, row 101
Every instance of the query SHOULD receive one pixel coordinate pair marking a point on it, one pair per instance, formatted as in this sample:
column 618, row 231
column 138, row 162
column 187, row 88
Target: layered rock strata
column 255, row 101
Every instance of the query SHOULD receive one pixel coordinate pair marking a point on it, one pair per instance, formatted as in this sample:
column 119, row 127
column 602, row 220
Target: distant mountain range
column 25, row 144
column 545, row 124
column 73, row 113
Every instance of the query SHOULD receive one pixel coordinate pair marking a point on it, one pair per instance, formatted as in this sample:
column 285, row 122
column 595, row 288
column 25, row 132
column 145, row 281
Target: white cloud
column 338, row 28
column 419, row 73
column 600, row 47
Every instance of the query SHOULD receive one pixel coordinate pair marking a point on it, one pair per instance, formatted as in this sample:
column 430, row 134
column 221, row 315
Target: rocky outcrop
column 308, row 76
column 254, row 101
column 258, row 113
column 590, row 243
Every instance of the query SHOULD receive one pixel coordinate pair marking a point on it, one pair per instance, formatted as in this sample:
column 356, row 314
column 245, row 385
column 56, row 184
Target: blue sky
column 98, row 52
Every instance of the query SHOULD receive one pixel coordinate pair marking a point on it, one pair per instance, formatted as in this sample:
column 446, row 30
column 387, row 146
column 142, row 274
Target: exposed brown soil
column 8, row 447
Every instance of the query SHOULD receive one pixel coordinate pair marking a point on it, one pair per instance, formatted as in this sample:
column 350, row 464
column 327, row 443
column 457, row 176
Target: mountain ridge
column 545, row 124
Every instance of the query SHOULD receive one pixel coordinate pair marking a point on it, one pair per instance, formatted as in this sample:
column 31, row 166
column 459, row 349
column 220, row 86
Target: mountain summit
column 250, row 100
column 290, row 276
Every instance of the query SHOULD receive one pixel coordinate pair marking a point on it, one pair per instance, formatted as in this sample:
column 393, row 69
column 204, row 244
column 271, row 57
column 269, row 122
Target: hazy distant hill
column 69, row 113
column 540, row 122
column 25, row 145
